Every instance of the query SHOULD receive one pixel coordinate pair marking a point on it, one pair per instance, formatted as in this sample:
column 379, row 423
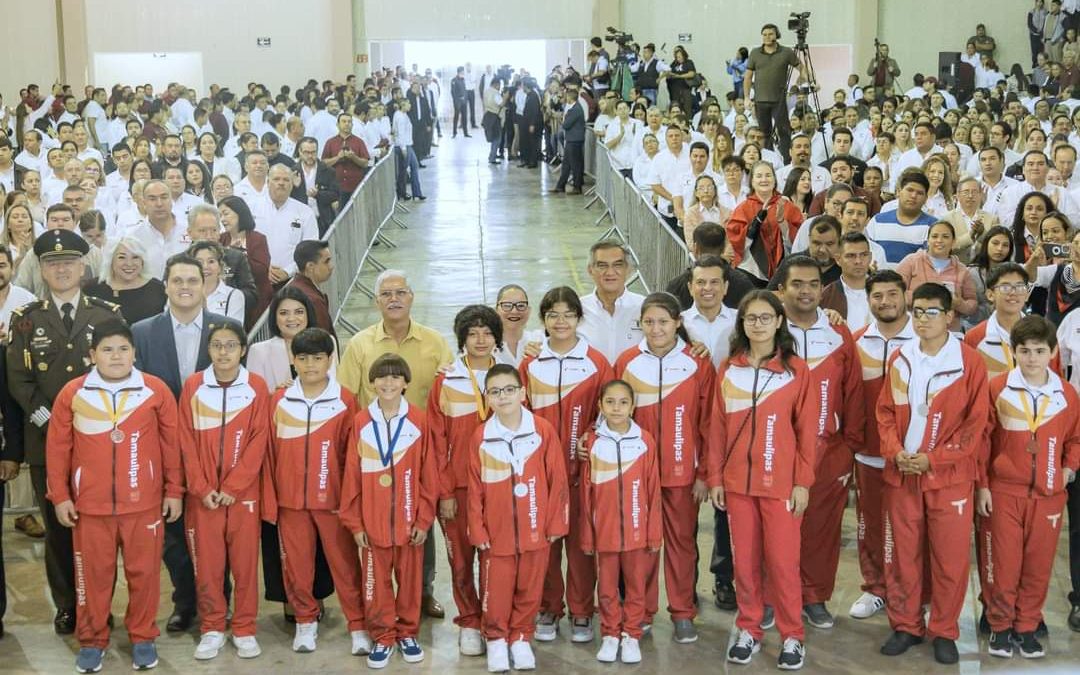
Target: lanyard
column 1034, row 421
column 385, row 457
column 114, row 415
column 1008, row 355
column 481, row 408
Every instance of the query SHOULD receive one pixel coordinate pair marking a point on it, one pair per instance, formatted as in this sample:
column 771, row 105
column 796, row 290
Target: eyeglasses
column 398, row 294
column 509, row 390
column 927, row 313
column 759, row 319
column 560, row 316
column 519, row 306
column 618, row 265
column 224, row 346
column 1011, row 289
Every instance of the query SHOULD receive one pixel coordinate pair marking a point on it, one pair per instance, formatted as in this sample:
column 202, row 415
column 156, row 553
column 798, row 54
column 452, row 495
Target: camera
column 799, row 22
column 621, row 38
column 1056, row 250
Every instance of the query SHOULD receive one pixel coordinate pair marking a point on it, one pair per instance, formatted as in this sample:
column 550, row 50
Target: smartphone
column 1056, row 250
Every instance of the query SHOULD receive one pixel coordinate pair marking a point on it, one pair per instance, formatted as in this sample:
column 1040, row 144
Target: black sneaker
column 945, row 651
column 984, row 623
column 817, row 615
column 1030, row 648
column 1074, row 618
column 768, row 618
column 1042, row 632
column 899, row 642
column 744, row 648
column 792, row 655
column 1001, row 644
column 725, row 596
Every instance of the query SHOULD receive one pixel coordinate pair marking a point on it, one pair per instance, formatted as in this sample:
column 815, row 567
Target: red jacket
column 874, row 351
column 104, row 477
column 993, row 344
column 672, row 401
column 452, row 418
column 306, row 456
column 836, row 387
column 387, row 500
column 620, row 492
column 770, row 234
column 518, row 494
column 565, row 389
column 1013, row 468
column 956, row 418
column 764, row 429
column 223, row 434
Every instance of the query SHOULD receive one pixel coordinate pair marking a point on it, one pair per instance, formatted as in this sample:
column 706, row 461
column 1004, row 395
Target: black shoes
column 1030, row 648
column 899, row 642
column 725, row 596
column 64, row 622
column 1001, row 644
column 984, row 623
column 179, row 621
column 1074, row 618
column 945, row 651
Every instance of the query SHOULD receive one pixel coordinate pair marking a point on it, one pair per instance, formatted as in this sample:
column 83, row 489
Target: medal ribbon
column 114, row 415
column 1034, row 422
column 385, row 457
column 1008, row 355
column 481, row 407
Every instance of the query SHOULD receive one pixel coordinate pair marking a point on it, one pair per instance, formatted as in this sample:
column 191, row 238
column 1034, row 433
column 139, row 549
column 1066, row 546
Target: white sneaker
column 498, row 656
column 247, row 647
column 866, row 606
column 361, row 642
column 547, row 627
column 522, row 654
column 609, row 649
column 209, row 645
column 582, row 629
column 631, row 650
column 471, row 642
column 304, row 639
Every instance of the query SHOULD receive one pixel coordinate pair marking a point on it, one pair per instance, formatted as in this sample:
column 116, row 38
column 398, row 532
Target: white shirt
column 285, row 227
column 992, row 195
column 255, row 199
column 95, row 114
column 32, row 162
column 625, row 151
column 226, row 301
column 1010, row 200
column 159, row 247
column 820, row 179
column 402, row 130
column 1068, row 335
column 715, row 334
column 16, row 298
column 914, row 158
column 858, row 309
column 188, row 339
column 612, row 334
column 665, row 170
column 727, row 198
column 923, row 367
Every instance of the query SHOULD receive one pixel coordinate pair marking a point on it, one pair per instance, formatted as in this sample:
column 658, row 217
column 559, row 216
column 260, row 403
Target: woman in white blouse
column 220, row 298
column 290, row 313
column 512, row 306
column 642, row 165
column 619, row 139
column 704, row 208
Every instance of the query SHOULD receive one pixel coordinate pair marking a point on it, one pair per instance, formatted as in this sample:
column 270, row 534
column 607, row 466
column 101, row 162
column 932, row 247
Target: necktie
column 69, row 320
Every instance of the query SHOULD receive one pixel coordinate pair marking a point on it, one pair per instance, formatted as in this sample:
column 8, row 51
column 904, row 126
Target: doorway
column 156, row 68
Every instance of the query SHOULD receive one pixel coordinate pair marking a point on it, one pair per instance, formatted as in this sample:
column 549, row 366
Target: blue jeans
column 408, row 168
column 649, row 94
column 494, row 152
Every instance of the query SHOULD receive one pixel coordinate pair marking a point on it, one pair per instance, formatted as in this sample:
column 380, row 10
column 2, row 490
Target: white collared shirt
column 285, row 227
column 923, row 368
column 858, row 308
column 226, row 301
column 715, row 334
column 160, row 247
column 612, row 334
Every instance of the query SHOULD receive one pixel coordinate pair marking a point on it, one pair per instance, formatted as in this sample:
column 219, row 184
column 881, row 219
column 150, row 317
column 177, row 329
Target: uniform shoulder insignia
column 28, row 307
column 98, row 302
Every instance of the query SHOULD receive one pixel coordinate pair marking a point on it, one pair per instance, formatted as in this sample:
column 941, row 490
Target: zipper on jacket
column 393, row 485
column 113, row 394
column 513, row 500
column 307, row 449
column 660, row 406
column 558, row 388
column 221, row 438
column 622, row 517
column 753, row 429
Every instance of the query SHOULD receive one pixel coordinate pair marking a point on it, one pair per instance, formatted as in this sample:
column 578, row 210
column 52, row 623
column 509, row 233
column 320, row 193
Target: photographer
column 766, row 75
column 649, row 69
column 883, row 71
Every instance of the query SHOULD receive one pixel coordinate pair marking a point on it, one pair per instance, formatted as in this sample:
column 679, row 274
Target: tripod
column 806, row 62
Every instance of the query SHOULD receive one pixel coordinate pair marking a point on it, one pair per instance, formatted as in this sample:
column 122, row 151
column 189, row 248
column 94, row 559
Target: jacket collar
column 775, row 364
column 495, row 431
column 295, row 392
column 95, row 381
column 579, row 351
column 679, row 346
column 603, row 430
column 906, row 333
column 377, row 414
column 1015, row 380
column 210, row 380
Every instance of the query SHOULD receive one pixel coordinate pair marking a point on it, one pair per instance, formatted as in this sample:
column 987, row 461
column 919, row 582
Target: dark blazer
column 458, row 93
column 833, row 297
column 574, row 124
column 12, row 450
column 532, row 115
column 237, row 273
column 258, row 257
column 155, row 347
column 419, row 109
column 329, row 191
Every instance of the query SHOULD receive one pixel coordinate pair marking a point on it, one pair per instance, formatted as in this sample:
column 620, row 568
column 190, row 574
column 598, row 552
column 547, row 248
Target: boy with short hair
column 311, row 422
column 114, row 473
column 1034, row 454
column 388, row 503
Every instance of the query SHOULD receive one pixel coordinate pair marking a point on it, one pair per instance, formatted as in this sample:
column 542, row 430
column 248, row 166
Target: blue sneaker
column 143, row 655
column 89, row 660
column 410, row 650
column 379, row 656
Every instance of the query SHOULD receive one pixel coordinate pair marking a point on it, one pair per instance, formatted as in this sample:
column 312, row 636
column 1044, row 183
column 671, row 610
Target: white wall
column 28, row 51
column 479, row 19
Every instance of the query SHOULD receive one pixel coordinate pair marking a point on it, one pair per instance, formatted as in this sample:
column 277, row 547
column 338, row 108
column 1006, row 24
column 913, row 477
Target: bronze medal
column 923, row 409
column 117, row 436
column 1033, row 446
column 386, row 480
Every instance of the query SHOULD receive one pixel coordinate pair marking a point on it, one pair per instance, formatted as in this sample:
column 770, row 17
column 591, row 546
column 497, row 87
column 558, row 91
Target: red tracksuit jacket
column 956, row 421
column 836, row 386
column 993, row 344
column 620, row 492
column 564, row 390
column 452, row 417
column 672, row 401
column 223, row 433
column 306, row 456
column 1013, row 468
column 874, row 351
column 100, row 476
column 764, row 428
column 518, row 493
column 388, row 500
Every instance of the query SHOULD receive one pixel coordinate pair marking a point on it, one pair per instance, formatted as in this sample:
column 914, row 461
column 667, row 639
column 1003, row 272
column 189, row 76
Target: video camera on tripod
column 800, row 23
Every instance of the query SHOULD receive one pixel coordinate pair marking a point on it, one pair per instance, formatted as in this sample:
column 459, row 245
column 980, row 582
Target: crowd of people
column 881, row 296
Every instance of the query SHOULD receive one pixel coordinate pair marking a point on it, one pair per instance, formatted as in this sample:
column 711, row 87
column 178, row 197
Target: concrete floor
column 483, row 227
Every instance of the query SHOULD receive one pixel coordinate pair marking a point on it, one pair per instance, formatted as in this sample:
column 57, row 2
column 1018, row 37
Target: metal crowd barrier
column 658, row 253
column 352, row 235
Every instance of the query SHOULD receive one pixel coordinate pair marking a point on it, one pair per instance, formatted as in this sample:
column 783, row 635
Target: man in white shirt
column 755, row 135
column 800, row 157
column 994, row 182
column 11, row 296
column 1001, row 138
column 668, row 166
column 1035, row 169
column 32, row 156
column 70, row 114
column 82, row 144
column 96, row 121
column 731, row 190
column 285, row 222
column 925, row 145
column 162, row 235
column 182, row 200
column 253, row 188
column 612, row 321
column 7, row 164
column 708, row 320
column 699, row 166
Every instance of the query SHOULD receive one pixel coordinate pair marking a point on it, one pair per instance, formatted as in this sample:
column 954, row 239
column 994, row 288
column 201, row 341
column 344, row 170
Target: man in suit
column 573, row 168
column 968, row 218
column 460, row 97
column 421, row 118
column 318, row 183
column 50, row 345
column 532, row 121
column 173, row 346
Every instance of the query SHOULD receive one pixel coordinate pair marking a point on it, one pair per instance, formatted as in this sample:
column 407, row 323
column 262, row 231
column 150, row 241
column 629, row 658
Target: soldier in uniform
column 50, row 345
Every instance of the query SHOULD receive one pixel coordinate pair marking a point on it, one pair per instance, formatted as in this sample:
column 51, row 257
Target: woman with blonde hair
column 18, row 233
column 939, row 198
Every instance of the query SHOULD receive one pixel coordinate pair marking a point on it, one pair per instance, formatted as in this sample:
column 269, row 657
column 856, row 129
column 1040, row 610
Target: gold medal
column 117, row 436
column 386, row 480
column 43, row 367
column 1033, row 447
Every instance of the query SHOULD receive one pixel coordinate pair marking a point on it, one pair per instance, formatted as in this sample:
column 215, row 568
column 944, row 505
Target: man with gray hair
column 163, row 235
column 204, row 224
column 423, row 348
column 285, row 221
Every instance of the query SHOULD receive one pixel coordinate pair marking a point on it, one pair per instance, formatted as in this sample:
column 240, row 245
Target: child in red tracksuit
column 562, row 385
column 518, row 505
column 114, row 474
column 761, row 467
column 1034, row 454
column 311, row 422
column 673, row 392
column 932, row 414
column 224, row 418
column 388, row 503
column 455, row 409
column 620, row 518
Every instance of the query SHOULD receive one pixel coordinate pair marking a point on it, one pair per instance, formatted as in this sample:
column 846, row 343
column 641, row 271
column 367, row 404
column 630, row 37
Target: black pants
column 573, row 167
column 460, row 110
column 59, row 550
column 3, row 577
column 528, row 146
column 322, row 586
column 721, row 564
column 471, row 101
column 772, row 116
column 181, row 571
column 1074, row 540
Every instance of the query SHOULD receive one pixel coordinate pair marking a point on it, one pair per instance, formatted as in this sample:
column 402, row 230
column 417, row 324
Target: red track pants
column 391, row 618
column 461, row 555
column 298, row 530
column 680, row 513
column 97, row 539
column 1025, row 533
column 820, row 543
column 512, row 586
column 927, row 527
column 625, row 616
column 225, row 535
column 869, row 490
column 580, row 586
